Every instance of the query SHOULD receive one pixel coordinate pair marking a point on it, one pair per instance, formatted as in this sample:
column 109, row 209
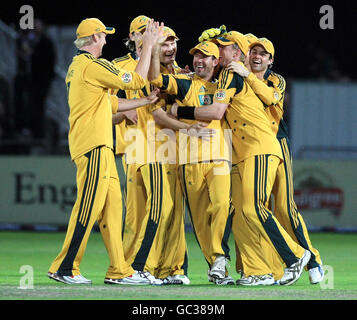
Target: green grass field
column 37, row 250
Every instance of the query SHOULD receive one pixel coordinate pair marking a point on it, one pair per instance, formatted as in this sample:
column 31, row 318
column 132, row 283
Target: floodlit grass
column 37, row 250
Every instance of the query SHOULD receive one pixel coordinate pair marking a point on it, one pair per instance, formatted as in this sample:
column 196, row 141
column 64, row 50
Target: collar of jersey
column 133, row 55
column 266, row 74
column 82, row 52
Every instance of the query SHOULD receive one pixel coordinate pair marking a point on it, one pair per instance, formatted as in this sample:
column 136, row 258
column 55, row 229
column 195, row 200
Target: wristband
column 186, row 113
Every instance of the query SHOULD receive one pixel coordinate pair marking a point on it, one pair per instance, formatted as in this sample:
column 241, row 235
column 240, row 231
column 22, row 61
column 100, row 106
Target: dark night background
column 303, row 49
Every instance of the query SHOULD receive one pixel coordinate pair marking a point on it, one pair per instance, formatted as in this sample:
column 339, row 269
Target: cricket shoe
column 227, row 280
column 153, row 281
column 78, row 279
column 316, row 274
column 261, row 280
column 218, row 268
column 177, row 279
column 137, row 279
column 293, row 273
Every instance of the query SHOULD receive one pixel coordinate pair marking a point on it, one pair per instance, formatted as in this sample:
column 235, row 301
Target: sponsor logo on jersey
column 203, row 89
column 220, row 95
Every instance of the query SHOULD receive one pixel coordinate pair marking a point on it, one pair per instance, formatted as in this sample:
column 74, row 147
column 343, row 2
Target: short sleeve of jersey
column 173, row 84
column 114, row 102
column 278, row 82
column 103, row 73
column 229, row 84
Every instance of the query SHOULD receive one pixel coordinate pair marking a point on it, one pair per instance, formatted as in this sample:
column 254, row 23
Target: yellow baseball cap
column 92, row 26
column 168, row 32
column 139, row 23
column 206, row 47
column 234, row 37
column 266, row 44
column 251, row 37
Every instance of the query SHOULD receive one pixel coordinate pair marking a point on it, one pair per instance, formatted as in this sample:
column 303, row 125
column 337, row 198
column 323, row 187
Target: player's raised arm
column 154, row 69
column 151, row 36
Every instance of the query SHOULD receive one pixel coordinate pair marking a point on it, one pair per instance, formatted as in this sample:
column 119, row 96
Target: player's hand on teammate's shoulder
column 238, row 68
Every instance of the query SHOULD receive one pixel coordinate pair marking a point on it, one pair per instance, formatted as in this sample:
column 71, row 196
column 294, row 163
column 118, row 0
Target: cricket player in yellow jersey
column 258, row 155
column 204, row 168
column 123, row 121
column 152, row 182
column 90, row 138
column 270, row 88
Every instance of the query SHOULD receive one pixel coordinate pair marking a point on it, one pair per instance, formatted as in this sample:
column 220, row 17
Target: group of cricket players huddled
column 210, row 143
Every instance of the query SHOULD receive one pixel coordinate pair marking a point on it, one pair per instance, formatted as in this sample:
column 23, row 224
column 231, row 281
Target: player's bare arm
column 129, row 104
column 154, row 69
column 196, row 129
column 214, row 111
column 151, row 35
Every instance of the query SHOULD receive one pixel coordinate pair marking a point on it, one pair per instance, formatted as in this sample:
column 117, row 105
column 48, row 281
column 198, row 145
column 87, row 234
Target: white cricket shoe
column 316, row 274
column 293, row 273
column 153, row 281
column 261, row 280
column 218, row 268
column 177, row 279
column 226, row 281
column 78, row 279
column 138, row 278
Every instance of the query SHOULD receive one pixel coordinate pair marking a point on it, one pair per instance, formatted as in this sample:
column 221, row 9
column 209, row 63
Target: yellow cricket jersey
column 195, row 92
column 142, row 144
column 271, row 91
column 90, row 110
column 252, row 132
column 127, row 62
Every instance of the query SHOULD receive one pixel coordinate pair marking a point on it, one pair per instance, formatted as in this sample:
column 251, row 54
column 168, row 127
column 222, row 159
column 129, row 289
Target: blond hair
column 242, row 55
column 84, row 41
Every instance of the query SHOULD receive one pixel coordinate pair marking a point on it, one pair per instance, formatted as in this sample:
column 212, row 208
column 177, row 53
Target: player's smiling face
column 259, row 59
column 204, row 65
column 168, row 51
